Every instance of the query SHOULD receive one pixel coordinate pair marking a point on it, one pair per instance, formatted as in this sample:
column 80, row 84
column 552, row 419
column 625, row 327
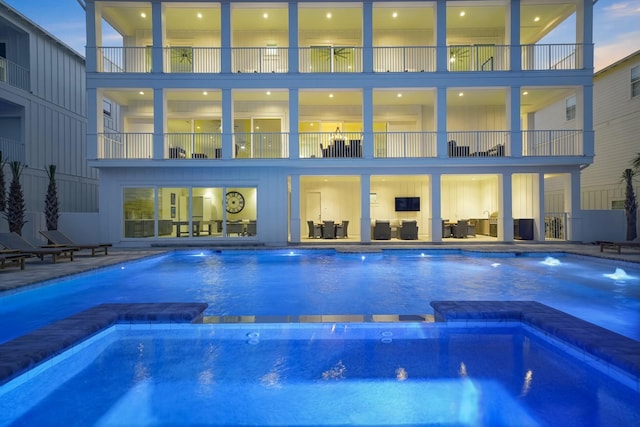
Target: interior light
column 205, row 93
column 199, row 15
column 525, row 93
column 399, row 95
column 257, row 127
column 453, row 59
column 268, row 92
column 265, row 15
column 536, row 19
column 328, row 15
column 394, row 14
column 462, row 13
column 143, row 15
column 141, row 92
column 461, row 94
column 330, row 95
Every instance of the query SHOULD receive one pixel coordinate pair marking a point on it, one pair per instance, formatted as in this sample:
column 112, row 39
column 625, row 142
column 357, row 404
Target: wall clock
column 235, row 202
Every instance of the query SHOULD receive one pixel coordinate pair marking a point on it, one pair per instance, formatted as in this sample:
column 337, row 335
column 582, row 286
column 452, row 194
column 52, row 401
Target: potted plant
column 51, row 206
column 15, row 210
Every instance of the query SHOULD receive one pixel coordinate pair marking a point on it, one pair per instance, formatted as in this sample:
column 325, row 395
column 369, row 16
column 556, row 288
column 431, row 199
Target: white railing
column 260, row 60
column 14, row 74
column 12, row 150
column 555, row 225
column 404, row 59
column 330, row 59
column 188, row 59
column 261, row 145
column 478, row 143
column 552, row 57
column 115, row 145
column 194, row 145
column 552, row 143
column 124, row 59
column 404, row 144
column 484, row 57
column 331, row 144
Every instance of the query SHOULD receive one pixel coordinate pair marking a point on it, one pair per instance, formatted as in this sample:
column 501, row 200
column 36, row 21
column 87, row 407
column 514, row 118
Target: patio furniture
column 252, row 228
column 11, row 258
column 617, row 246
column 14, row 241
column 341, row 230
column 57, row 237
column 328, row 230
column 235, row 228
column 315, row 230
column 409, row 230
column 460, row 229
column 381, row 230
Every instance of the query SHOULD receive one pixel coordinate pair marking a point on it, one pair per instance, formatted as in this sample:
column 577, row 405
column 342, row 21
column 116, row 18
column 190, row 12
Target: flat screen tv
column 407, row 204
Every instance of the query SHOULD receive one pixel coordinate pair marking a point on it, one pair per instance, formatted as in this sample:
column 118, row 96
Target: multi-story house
column 43, row 119
column 236, row 121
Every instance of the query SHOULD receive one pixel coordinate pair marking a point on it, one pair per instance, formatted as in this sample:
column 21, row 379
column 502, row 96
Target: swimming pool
column 306, row 282
column 318, row 374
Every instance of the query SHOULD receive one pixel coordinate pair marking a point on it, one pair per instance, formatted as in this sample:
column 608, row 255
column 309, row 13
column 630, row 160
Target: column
column 293, row 53
column 584, row 34
column 505, row 207
column 157, row 25
column 367, row 34
column 441, row 122
column 436, row 207
column 294, row 135
column 95, row 126
column 584, row 100
column 442, row 56
column 225, row 38
column 365, row 208
column 513, row 117
column 513, row 26
column 538, row 207
column 94, row 36
column 294, row 224
column 159, row 120
column 367, row 123
column 227, row 124
column 572, row 205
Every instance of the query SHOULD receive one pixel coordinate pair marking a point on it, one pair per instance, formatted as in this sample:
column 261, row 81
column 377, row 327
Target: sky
column 616, row 28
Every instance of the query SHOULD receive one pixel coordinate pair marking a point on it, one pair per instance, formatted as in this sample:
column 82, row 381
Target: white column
column 584, row 34
column 441, row 122
column 572, row 205
column 227, row 124
column 293, row 53
column 157, row 24
column 365, row 208
column 159, row 120
column 436, row 208
column 442, row 58
column 225, row 38
column 538, row 207
column 367, row 34
column 513, row 114
column 367, row 123
column 584, row 101
column 94, row 124
column 294, row 224
column 294, row 135
column 94, row 35
column 513, row 26
column 505, row 207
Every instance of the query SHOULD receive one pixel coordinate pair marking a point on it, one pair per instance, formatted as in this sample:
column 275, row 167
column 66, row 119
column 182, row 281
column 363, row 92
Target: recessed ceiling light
column 141, row 92
column 205, row 93
column 399, row 95
column 265, row 15
column 330, row 95
column 462, row 13
column 461, row 94
column 142, row 14
column 452, row 59
column 525, row 93
column 199, row 15
column 328, row 15
column 268, row 92
column 536, row 19
column 394, row 14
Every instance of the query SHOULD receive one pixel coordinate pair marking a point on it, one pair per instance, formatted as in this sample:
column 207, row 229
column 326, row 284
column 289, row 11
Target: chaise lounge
column 14, row 241
column 619, row 245
column 57, row 237
column 11, row 258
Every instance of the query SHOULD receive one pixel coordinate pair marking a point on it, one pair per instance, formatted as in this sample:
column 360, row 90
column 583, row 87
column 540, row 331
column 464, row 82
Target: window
column 635, row 81
column 106, row 107
column 571, row 108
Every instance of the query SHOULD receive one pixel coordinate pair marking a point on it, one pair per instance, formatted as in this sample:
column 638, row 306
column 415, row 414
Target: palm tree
column 630, row 204
column 636, row 163
column 3, row 193
column 51, row 206
column 15, row 211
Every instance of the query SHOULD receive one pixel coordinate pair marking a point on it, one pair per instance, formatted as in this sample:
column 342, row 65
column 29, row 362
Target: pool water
column 282, row 283
column 322, row 374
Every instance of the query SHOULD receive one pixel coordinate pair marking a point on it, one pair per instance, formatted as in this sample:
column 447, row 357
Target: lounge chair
column 382, row 230
column 57, row 237
column 619, row 245
column 12, row 258
column 409, row 230
column 14, row 241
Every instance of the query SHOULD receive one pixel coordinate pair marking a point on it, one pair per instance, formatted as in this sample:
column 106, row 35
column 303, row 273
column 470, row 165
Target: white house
column 43, row 118
column 263, row 121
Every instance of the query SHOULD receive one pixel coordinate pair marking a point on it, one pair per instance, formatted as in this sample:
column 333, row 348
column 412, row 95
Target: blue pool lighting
column 619, row 274
column 551, row 261
column 495, row 264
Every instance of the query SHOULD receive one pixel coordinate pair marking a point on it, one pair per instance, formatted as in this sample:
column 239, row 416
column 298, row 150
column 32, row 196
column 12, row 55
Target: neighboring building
column 215, row 122
column 43, row 118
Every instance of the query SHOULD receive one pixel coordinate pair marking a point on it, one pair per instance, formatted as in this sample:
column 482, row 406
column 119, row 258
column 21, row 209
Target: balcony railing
column 261, row 145
column 14, row 74
column 404, row 59
column 552, row 143
column 194, row 145
column 552, row 57
column 328, row 59
column 114, row 145
column 478, row 143
column 483, row 57
column 404, row 144
column 187, row 59
column 260, row 60
column 331, row 144
column 12, row 151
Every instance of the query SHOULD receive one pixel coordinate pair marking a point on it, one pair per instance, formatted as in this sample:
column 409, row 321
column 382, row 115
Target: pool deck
column 23, row 353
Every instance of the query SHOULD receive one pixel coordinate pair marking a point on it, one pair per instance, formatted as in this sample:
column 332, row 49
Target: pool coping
column 615, row 350
column 24, row 353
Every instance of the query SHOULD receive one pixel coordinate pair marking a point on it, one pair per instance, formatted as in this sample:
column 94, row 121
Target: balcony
column 484, row 57
column 14, row 74
column 194, row 145
column 11, row 150
column 114, row 145
column 479, row 144
column 404, row 144
column 552, row 143
column 404, row 59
